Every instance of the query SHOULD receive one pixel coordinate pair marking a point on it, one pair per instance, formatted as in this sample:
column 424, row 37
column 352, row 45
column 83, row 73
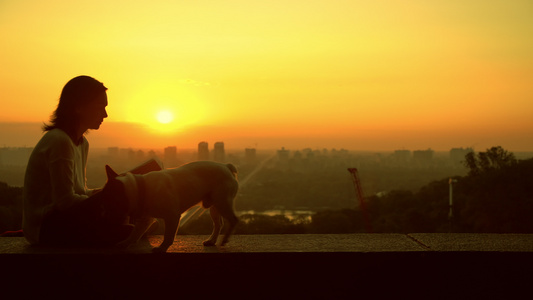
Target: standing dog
column 168, row 193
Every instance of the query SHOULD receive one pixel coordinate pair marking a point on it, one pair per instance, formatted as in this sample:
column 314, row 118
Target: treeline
column 496, row 196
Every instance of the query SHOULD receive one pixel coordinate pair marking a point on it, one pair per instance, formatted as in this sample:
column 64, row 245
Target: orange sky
column 362, row 75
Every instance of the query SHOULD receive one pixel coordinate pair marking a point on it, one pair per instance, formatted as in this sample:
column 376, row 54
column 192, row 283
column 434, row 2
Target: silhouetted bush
column 10, row 207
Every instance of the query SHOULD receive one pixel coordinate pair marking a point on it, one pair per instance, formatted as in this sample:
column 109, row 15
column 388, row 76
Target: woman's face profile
column 93, row 113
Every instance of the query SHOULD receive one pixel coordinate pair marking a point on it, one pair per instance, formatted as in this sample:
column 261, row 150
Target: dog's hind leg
column 226, row 211
column 171, row 227
column 217, row 226
column 233, row 221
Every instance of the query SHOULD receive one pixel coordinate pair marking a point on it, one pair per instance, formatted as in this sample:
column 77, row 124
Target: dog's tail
column 232, row 169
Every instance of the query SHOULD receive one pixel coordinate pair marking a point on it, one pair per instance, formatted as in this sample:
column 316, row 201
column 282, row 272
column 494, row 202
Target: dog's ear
column 111, row 174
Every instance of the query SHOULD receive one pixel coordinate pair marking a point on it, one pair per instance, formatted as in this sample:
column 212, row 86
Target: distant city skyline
column 13, row 160
column 132, row 135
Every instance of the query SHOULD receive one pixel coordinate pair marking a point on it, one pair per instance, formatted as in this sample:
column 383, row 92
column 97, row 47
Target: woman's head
column 81, row 106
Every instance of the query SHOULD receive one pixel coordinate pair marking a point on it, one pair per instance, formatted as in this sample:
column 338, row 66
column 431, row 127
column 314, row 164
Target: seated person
column 58, row 206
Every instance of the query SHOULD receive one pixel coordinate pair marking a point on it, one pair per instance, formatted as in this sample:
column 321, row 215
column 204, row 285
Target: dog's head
column 114, row 198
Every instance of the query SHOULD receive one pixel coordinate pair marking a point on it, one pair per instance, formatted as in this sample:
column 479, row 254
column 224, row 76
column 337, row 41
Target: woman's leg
column 82, row 225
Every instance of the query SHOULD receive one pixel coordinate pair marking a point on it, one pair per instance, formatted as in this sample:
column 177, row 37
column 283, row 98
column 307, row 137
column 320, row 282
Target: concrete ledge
column 281, row 267
column 443, row 242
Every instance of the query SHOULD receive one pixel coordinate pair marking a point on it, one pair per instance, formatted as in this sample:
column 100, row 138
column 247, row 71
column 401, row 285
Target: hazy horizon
column 27, row 134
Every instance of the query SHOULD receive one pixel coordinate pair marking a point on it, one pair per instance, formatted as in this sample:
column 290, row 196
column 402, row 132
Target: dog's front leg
column 141, row 225
column 171, row 228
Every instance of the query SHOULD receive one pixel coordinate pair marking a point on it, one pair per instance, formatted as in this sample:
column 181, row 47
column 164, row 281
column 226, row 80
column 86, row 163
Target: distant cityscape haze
column 132, row 135
column 13, row 160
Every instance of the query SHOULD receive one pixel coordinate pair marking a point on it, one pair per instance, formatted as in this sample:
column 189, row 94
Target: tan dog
column 168, row 193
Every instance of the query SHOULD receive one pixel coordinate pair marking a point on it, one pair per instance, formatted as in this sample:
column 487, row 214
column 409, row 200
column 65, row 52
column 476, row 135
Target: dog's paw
column 159, row 250
column 209, row 243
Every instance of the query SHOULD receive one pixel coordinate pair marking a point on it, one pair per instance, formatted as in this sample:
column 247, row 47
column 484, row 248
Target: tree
column 498, row 199
column 494, row 158
column 10, row 207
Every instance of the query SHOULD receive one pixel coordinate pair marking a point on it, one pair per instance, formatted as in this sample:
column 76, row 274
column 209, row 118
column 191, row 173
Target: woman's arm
column 63, row 175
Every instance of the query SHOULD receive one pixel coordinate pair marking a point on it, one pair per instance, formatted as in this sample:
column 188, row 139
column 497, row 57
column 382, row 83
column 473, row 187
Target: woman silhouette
column 57, row 207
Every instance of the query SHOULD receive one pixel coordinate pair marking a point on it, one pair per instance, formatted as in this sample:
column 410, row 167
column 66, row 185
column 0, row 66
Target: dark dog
column 168, row 193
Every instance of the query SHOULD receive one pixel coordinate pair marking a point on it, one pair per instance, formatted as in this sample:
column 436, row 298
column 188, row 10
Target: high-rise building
column 457, row 155
column 171, row 156
column 219, row 153
column 402, row 156
column 423, row 156
column 203, row 151
column 283, row 154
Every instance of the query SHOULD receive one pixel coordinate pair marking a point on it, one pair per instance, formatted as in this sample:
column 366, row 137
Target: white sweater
column 55, row 178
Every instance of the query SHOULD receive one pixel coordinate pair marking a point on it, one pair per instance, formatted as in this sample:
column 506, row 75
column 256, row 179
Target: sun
column 165, row 121
column 164, row 116
column 165, row 108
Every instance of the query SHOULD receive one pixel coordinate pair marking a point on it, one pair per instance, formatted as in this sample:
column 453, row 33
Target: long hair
column 77, row 92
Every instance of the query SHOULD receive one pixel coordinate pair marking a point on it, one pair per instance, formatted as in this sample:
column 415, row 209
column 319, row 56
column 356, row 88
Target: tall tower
column 283, row 155
column 171, row 156
column 203, row 151
column 220, row 154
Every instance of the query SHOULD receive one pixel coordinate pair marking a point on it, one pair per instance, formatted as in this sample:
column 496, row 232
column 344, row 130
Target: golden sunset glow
column 368, row 75
column 165, row 116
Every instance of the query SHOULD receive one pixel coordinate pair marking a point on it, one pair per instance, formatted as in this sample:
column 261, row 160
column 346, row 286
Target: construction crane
column 361, row 197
